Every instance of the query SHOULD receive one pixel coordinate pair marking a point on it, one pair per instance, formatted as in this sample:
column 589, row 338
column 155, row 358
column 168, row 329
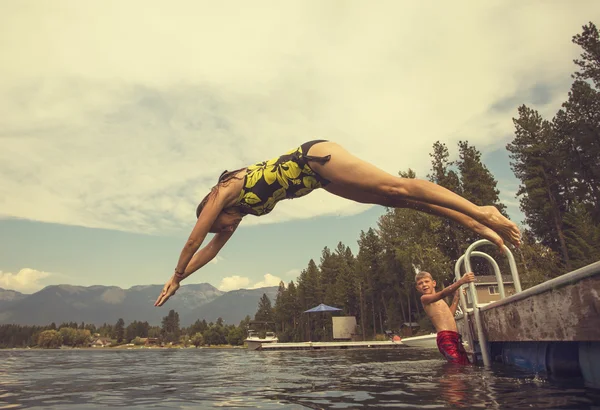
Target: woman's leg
column 354, row 174
column 369, row 198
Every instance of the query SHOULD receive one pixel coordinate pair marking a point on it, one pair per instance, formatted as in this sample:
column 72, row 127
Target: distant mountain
column 8, row 296
column 232, row 306
column 106, row 304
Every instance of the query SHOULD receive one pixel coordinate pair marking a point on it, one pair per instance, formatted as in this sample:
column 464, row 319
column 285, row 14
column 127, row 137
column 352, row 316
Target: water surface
column 238, row 378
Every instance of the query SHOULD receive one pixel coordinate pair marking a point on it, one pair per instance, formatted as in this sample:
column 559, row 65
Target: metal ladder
column 466, row 258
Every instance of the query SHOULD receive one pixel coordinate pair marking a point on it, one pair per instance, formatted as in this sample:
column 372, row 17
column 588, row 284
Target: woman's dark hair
column 224, row 179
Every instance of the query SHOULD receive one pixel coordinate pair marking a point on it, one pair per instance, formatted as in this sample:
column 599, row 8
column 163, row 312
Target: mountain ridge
column 100, row 304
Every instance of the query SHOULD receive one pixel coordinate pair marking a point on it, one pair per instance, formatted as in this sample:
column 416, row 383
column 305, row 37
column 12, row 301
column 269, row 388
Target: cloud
column 233, row 283
column 217, row 259
column 268, row 280
column 293, row 273
column 25, row 281
column 120, row 122
column 240, row 282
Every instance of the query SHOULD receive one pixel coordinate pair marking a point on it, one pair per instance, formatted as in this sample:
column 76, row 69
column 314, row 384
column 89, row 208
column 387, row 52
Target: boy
column 449, row 340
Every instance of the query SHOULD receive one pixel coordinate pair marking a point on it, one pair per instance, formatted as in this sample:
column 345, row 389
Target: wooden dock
column 552, row 328
column 563, row 309
column 388, row 344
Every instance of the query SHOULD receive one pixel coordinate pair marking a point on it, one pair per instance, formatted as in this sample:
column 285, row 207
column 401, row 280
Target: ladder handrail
column 511, row 261
column 492, row 262
column 476, row 310
column 463, row 303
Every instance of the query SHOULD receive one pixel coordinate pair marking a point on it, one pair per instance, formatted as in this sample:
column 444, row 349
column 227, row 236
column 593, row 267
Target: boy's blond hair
column 422, row 275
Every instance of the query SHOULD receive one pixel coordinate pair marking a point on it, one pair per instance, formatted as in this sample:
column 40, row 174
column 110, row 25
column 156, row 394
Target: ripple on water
column 235, row 378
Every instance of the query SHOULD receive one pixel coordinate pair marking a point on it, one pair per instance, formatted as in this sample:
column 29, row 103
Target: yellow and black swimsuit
column 285, row 177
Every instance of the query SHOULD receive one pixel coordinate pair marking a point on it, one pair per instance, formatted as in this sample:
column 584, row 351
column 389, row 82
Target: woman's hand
column 169, row 290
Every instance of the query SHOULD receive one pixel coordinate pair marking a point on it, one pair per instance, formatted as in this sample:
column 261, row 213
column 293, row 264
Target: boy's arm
column 427, row 299
column 455, row 300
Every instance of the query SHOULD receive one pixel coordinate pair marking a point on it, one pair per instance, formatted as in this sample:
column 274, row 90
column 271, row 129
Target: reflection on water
column 237, row 378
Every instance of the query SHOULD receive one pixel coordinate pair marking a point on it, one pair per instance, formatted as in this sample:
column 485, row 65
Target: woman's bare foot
column 501, row 225
column 488, row 234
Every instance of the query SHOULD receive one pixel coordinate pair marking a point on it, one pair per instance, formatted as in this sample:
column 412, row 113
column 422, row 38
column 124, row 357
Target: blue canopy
column 322, row 308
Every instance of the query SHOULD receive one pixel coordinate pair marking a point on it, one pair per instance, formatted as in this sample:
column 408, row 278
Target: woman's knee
column 396, row 189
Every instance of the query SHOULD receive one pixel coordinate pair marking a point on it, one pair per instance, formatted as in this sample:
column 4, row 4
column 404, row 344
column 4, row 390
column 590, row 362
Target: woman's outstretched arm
column 207, row 217
column 206, row 254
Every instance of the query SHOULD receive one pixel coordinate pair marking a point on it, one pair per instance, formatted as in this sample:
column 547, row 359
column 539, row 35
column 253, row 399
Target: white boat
column 427, row 341
column 254, row 341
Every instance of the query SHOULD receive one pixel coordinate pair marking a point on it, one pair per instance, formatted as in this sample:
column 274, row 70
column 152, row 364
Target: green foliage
column 155, row 332
column 74, row 336
column 170, row 331
column 199, row 326
column 536, row 263
column 120, row 330
column 589, row 41
column 236, row 336
column 197, row 339
column 265, row 311
column 535, row 153
column 137, row 341
column 50, row 339
column 20, row 336
column 558, row 163
column 582, row 236
column 136, row 329
column 106, row 330
column 478, row 185
column 215, row 335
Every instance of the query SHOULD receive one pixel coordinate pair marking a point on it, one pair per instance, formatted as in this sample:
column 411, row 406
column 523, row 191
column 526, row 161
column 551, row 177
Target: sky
column 116, row 118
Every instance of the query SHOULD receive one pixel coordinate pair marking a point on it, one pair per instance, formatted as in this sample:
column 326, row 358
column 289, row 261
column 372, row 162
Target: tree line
column 82, row 335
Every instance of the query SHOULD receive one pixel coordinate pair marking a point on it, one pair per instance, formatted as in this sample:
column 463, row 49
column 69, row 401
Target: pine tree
column 440, row 168
column 120, row 330
column 536, row 162
column 293, row 306
column 589, row 41
column 329, row 269
column 265, row 311
column 450, row 235
column 170, row 326
column 582, row 236
column 309, row 289
column 578, row 124
column 477, row 182
column 480, row 187
column 370, row 267
column 346, row 296
column 281, row 314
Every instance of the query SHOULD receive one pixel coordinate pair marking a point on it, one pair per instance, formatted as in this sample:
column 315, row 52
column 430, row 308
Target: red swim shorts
column 450, row 345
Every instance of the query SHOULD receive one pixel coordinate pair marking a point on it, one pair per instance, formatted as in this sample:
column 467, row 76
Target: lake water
column 237, row 378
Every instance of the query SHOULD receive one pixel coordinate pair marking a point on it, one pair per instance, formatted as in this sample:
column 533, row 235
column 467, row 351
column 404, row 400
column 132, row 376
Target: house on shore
column 486, row 287
column 101, row 342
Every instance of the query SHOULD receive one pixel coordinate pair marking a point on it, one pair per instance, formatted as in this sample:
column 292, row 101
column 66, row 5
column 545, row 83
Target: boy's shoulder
column 427, row 299
column 431, row 298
